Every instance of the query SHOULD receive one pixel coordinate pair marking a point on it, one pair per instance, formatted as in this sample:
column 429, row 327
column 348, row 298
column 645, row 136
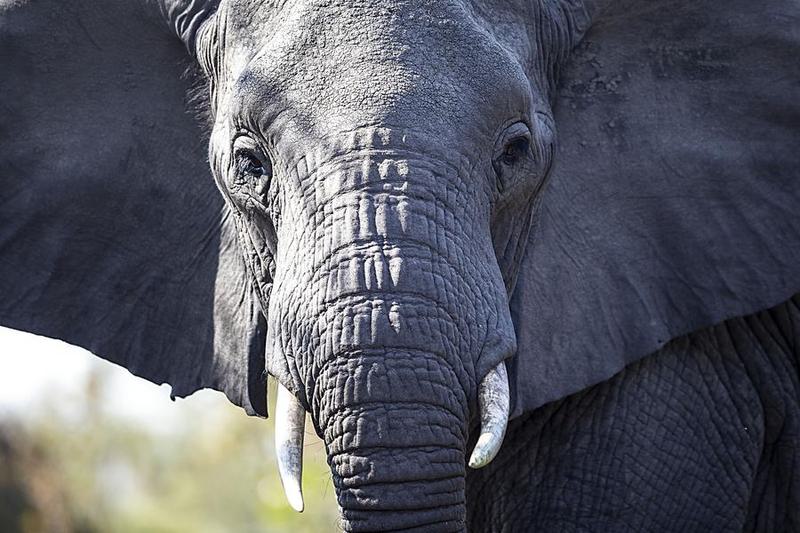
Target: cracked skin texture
column 701, row 436
column 390, row 264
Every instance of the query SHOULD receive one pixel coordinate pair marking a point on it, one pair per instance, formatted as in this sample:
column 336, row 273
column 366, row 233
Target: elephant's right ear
column 113, row 235
column 674, row 200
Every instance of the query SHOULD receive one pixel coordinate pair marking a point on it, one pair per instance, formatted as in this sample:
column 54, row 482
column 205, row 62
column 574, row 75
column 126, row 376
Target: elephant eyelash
column 250, row 160
column 512, row 145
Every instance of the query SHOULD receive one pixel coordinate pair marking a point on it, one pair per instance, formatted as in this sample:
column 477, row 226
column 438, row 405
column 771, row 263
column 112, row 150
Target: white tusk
column 493, row 400
column 290, row 424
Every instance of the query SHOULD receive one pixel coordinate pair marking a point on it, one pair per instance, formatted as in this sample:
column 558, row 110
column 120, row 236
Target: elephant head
column 381, row 194
column 383, row 244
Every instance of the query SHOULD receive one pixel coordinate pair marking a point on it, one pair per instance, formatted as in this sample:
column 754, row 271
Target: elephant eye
column 515, row 150
column 250, row 163
column 513, row 146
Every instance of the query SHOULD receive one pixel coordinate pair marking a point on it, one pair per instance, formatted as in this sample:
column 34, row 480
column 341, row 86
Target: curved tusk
column 290, row 424
column 493, row 400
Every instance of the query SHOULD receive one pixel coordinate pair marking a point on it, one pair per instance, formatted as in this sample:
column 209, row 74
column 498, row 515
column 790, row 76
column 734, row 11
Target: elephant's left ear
column 112, row 233
column 674, row 202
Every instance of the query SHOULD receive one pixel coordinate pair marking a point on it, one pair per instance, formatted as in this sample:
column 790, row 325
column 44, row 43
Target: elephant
column 528, row 265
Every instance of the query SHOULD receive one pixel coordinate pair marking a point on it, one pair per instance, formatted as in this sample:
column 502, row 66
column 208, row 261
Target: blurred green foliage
column 88, row 470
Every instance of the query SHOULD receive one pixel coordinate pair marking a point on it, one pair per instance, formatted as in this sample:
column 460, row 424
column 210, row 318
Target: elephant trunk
column 493, row 398
column 390, row 316
column 395, row 433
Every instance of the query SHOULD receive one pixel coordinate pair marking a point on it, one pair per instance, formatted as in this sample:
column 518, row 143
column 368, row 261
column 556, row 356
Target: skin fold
column 384, row 202
column 371, row 238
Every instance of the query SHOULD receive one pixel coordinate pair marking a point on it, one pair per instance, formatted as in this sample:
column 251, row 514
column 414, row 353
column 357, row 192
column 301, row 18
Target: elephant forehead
column 343, row 64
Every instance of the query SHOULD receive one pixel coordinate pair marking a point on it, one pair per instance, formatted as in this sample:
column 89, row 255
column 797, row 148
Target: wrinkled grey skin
column 407, row 219
column 370, row 235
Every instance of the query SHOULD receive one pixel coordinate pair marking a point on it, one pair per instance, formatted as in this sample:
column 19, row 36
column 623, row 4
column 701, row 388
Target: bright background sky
column 32, row 367
column 121, row 457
